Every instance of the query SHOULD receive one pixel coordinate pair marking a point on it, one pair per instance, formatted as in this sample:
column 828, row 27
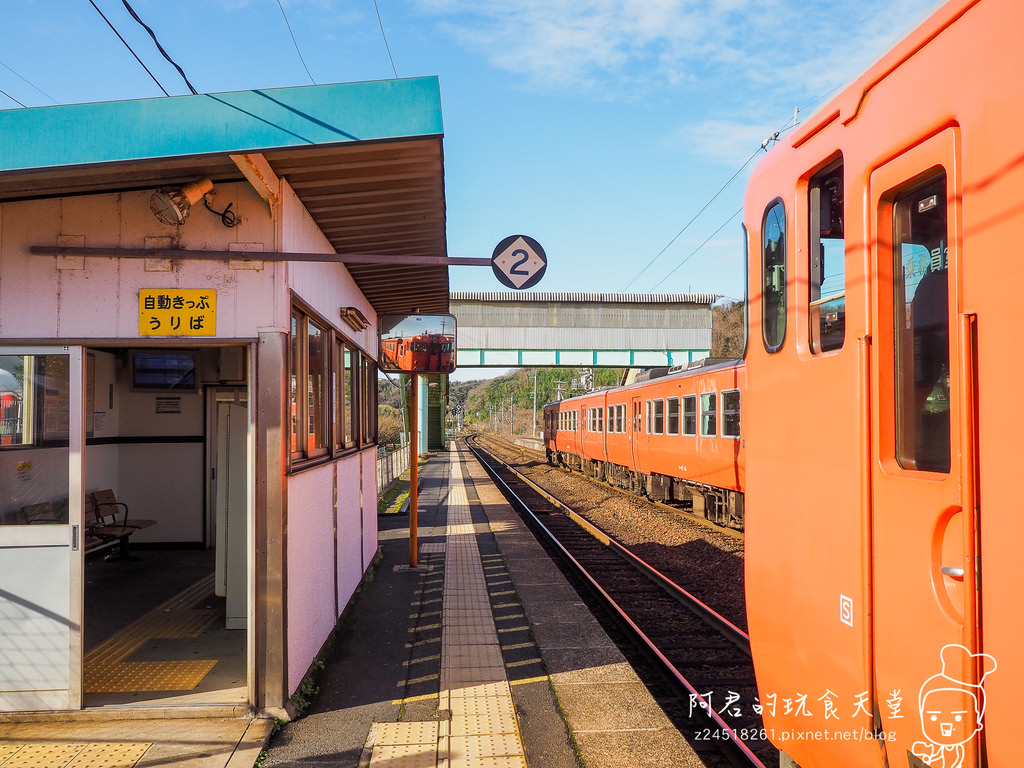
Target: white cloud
column 620, row 44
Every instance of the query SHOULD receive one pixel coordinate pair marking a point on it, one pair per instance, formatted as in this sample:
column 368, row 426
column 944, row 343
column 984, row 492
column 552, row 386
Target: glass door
column 41, row 534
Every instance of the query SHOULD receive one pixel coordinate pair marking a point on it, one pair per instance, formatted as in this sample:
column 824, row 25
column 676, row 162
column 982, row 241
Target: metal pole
column 535, row 403
column 414, row 443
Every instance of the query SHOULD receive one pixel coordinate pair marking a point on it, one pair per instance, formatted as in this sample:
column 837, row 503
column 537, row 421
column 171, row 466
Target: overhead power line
column 295, row 42
column 388, row 47
column 133, row 53
column 5, row 93
column 159, row 47
column 33, row 85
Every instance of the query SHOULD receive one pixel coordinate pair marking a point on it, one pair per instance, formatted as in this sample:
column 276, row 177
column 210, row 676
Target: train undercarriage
column 719, row 505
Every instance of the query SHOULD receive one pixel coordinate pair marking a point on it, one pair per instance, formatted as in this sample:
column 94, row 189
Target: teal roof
column 242, row 121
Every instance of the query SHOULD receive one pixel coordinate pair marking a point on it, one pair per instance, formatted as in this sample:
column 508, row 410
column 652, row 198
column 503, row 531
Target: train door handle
column 953, row 573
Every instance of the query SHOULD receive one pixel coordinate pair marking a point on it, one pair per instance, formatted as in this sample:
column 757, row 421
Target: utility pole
column 535, row 403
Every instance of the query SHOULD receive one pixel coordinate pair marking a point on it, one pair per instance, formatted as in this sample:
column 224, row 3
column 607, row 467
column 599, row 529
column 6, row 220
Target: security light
column 171, row 205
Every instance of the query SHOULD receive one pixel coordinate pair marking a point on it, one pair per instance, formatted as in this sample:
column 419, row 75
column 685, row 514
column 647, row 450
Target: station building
column 189, row 293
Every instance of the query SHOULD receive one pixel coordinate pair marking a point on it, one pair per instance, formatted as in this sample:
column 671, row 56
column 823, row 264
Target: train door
column 635, row 429
column 922, row 507
column 41, row 437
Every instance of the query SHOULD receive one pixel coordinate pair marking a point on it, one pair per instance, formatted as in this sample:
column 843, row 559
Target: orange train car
column 675, row 437
column 426, row 352
column 882, row 539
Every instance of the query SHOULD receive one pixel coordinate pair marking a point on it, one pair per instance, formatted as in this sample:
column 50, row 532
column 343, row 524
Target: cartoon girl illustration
column 952, row 708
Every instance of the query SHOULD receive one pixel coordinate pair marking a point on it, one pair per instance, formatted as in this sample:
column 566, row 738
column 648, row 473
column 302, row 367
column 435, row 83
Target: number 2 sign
column 519, row 262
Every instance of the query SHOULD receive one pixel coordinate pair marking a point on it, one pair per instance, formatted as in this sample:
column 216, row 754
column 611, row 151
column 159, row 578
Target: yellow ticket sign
column 177, row 312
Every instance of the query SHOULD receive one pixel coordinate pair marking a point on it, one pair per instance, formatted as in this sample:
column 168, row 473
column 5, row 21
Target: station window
column 672, row 416
column 333, row 391
column 827, row 279
column 690, row 415
column 659, row 417
column 344, row 400
column 921, row 298
column 731, row 413
column 708, row 414
column 773, row 300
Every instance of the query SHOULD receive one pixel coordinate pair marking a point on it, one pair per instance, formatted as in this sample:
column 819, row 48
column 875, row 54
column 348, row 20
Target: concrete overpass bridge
column 614, row 330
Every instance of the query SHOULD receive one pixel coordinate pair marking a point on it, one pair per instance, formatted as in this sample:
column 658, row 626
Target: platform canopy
column 365, row 159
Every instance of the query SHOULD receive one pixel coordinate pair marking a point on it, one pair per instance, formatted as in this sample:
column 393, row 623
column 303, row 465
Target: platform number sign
column 519, row 262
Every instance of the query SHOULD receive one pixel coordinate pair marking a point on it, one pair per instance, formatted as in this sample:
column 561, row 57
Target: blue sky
column 598, row 127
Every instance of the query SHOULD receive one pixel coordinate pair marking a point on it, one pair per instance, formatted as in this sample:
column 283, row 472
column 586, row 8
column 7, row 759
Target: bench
column 106, row 521
column 103, row 528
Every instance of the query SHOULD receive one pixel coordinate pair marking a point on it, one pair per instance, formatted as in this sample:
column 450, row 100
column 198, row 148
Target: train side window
column 650, row 410
column 672, row 416
column 731, row 413
column 599, row 412
column 827, row 303
column 773, row 301
column 659, row 417
column 708, row 414
column 690, row 415
column 921, row 298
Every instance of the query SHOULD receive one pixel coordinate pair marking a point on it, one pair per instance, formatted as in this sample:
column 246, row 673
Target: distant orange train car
column 884, row 520
column 426, row 352
column 675, row 437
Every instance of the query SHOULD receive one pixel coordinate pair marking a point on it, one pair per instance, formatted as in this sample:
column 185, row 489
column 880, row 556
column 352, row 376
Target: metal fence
column 390, row 467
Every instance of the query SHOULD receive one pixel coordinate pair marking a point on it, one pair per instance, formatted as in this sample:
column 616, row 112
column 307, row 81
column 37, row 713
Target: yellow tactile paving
column 483, row 731
column 108, row 671
column 123, row 755
column 132, row 676
column 63, row 755
column 43, row 756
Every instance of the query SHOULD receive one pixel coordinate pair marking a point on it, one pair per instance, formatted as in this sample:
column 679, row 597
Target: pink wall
column 95, row 297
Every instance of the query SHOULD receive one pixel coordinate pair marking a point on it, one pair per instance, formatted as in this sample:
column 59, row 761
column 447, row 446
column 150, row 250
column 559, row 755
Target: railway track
column 704, row 657
column 675, row 509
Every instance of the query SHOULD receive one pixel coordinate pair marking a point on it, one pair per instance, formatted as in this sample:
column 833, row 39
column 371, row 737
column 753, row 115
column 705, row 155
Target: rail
column 738, row 753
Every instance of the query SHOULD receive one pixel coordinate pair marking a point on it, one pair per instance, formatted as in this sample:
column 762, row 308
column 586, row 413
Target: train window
column 659, row 417
column 709, row 414
column 650, row 421
column 827, row 307
column 690, row 415
column 672, row 414
column 921, row 298
column 731, row 413
column 773, row 302
column 599, row 412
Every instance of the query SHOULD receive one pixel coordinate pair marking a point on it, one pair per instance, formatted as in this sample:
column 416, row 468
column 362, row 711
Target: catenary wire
column 790, row 124
column 295, row 42
column 696, row 216
column 697, row 249
column 133, row 53
column 159, row 47
column 26, row 81
column 385, row 39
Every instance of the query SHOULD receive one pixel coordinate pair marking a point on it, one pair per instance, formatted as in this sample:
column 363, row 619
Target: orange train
column 882, row 539
column 878, row 461
column 426, row 352
column 674, row 437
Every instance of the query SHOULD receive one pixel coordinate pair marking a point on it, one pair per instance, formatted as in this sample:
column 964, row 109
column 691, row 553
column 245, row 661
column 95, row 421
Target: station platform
column 481, row 655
